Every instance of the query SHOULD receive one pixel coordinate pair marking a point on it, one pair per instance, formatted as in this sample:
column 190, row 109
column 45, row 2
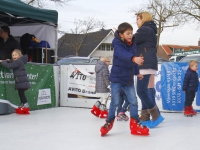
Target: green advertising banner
column 40, row 95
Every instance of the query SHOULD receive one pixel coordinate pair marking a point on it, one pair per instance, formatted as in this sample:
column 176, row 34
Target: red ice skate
column 103, row 114
column 23, row 109
column 192, row 110
column 137, row 128
column 188, row 111
column 103, row 111
column 106, row 127
column 95, row 109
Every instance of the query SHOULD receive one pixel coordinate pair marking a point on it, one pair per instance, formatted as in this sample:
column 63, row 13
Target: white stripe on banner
column 7, row 102
column 73, row 67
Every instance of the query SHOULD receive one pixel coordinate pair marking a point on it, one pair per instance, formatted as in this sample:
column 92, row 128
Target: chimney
column 199, row 42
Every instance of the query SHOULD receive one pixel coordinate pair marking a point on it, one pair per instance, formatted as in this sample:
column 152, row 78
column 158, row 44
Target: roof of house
column 195, row 47
column 167, row 48
column 88, row 42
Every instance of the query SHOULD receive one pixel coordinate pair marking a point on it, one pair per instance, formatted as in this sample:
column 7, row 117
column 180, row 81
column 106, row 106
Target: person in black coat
column 17, row 63
column 145, row 38
column 190, row 87
column 7, row 43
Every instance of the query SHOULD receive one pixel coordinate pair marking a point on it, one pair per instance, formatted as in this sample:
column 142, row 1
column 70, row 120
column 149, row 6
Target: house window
column 103, row 47
column 108, row 47
column 177, row 50
column 112, row 48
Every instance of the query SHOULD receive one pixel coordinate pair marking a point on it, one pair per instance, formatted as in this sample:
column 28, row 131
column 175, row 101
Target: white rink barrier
column 65, row 86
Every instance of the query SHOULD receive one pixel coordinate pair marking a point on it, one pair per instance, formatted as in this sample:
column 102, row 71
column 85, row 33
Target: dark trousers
column 143, row 92
column 123, row 104
column 152, row 93
column 22, row 96
column 189, row 97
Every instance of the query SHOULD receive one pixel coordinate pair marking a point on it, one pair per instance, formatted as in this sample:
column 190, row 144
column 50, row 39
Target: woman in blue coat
column 145, row 38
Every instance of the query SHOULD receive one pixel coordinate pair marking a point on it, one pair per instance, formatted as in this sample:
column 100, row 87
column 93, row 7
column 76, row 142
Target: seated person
column 7, row 43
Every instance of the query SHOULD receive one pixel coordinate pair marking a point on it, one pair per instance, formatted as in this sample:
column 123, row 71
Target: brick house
column 167, row 50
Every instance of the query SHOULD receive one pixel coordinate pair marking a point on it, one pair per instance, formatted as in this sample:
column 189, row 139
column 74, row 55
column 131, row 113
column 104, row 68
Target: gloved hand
column 109, row 88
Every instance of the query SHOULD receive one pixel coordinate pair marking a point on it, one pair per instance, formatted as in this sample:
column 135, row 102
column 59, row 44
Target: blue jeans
column 115, row 99
column 123, row 104
column 142, row 92
column 152, row 93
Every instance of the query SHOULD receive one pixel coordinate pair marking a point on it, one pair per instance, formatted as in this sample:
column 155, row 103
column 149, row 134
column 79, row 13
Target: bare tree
column 190, row 9
column 164, row 13
column 83, row 28
column 42, row 3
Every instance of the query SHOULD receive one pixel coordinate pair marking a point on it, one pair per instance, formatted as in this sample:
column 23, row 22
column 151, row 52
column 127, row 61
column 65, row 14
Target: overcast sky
column 114, row 12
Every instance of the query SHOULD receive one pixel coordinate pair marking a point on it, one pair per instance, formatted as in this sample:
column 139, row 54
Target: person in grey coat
column 17, row 63
column 102, row 88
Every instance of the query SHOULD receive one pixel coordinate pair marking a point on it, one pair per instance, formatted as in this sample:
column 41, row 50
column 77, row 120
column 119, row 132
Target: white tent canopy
column 41, row 31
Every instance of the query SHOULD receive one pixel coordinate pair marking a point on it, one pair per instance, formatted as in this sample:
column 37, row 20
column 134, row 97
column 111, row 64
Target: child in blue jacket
column 190, row 87
column 121, row 77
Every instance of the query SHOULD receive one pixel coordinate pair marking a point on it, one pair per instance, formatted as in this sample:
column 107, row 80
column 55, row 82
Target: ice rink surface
column 65, row 128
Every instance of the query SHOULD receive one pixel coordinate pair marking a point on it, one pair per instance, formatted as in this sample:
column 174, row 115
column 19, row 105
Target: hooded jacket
column 191, row 81
column 102, row 77
column 146, row 41
column 123, row 68
column 7, row 47
column 19, row 71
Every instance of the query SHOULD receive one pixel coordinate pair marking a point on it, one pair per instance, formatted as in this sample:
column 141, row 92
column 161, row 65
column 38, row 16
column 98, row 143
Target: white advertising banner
column 81, row 82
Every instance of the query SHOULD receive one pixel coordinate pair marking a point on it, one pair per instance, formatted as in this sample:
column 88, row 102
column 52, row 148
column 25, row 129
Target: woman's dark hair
column 6, row 29
column 123, row 27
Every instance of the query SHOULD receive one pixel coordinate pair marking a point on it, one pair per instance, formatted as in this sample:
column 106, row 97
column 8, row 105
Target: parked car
column 77, row 59
column 191, row 57
column 160, row 60
column 176, row 58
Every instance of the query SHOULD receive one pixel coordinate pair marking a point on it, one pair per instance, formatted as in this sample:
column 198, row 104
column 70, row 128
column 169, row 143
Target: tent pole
column 56, row 43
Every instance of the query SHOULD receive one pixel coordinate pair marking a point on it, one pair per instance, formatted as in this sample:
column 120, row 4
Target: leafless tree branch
column 43, row 3
column 82, row 28
column 190, row 9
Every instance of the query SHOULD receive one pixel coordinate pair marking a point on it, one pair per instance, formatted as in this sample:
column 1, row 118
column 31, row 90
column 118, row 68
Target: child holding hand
column 124, row 66
column 17, row 63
